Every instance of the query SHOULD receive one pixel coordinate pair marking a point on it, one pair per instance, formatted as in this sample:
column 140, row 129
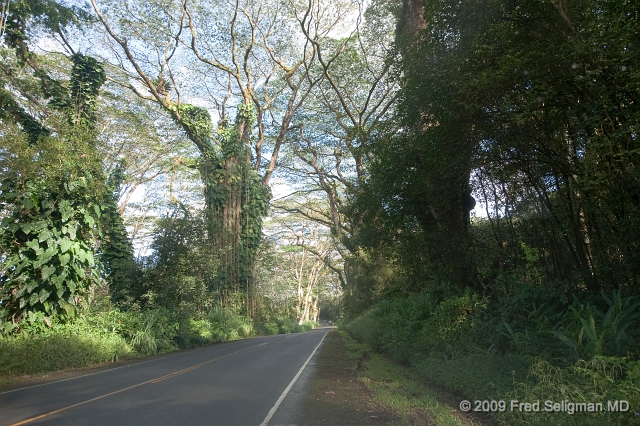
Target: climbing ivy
column 117, row 256
column 49, row 238
column 197, row 121
column 11, row 111
column 235, row 199
column 52, row 195
column 87, row 76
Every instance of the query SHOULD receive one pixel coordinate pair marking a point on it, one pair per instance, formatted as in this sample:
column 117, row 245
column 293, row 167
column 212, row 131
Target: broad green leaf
column 44, row 295
column 69, row 309
column 590, row 328
column 65, row 244
column 48, row 254
column 34, row 299
column 47, row 271
column 44, row 235
column 89, row 219
column 65, row 209
column 71, row 185
column 31, row 286
column 566, row 340
column 28, row 204
column 78, row 271
column 33, row 244
column 70, row 229
column 47, row 204
column 64, row 259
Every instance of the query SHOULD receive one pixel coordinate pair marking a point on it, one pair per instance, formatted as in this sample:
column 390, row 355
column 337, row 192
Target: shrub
column 308, row 325
column 144, row 342
column 267, row 327
column 586, row 352
column 229, row 325
column 288, row 325
column 597, row 381
column 106, row 335
column 59, row 349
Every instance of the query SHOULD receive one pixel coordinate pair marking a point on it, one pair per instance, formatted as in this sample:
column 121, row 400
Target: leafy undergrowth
column 61, row 350
column 585, row 354
column 112, row 335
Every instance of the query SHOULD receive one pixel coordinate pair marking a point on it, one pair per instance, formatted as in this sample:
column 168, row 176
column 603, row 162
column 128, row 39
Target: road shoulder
column 355, row 386
column 337, row 396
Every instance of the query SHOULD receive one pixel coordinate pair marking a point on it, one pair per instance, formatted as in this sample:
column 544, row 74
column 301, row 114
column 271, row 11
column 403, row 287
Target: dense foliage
column 69, row 280
column 530, row 110
column 466, row 171
column 51, row 193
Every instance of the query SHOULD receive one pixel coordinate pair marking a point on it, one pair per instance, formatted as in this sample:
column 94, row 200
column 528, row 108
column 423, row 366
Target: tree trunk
column 444, row 202
column 236, row 202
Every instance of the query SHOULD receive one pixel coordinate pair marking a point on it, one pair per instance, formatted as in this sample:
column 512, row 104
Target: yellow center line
column 156, row 380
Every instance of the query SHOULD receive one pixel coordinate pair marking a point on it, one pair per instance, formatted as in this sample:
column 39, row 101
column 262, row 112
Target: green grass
column 59, row 351
column 112, row 335
column 483, row 377
column 479, row 375
column 397, row 389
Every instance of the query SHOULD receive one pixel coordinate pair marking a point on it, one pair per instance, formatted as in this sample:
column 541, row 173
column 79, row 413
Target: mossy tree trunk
column 235, row 201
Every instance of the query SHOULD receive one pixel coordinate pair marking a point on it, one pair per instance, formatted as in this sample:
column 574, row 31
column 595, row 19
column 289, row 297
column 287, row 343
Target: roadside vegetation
column 458, row 182
column 354, row 385
column 87, row 275
column 528, row 110
column 399, row 390
column 110, row 335
column 161, row 305
column 576, row 355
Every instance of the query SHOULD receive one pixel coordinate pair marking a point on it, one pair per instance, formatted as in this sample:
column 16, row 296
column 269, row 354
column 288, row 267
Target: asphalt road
column 237, row 383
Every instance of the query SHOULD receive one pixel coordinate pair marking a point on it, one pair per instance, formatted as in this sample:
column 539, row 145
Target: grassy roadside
column 400, row 390
column 336, row 396
column 36, row 351
column 472, row 351
column 356, row 386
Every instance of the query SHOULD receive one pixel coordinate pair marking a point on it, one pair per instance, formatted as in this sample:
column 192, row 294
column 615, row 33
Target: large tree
column 557, row 132
column 294, row 270
column 52, row 192
column 328, row 156
column 243, row 56
column 536, row 104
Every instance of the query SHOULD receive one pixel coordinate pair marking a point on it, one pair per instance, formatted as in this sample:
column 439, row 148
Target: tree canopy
column 427, row 142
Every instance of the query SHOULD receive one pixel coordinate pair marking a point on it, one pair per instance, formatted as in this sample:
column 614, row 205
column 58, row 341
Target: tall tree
column 52, row 187
column 558, row 132
column 438, row 146
column 329, row 153
column 295, row 269
column 536, row 104
column 242, row 55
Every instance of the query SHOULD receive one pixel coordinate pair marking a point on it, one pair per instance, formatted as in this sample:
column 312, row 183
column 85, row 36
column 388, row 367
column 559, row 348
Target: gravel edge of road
column 349, row 389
